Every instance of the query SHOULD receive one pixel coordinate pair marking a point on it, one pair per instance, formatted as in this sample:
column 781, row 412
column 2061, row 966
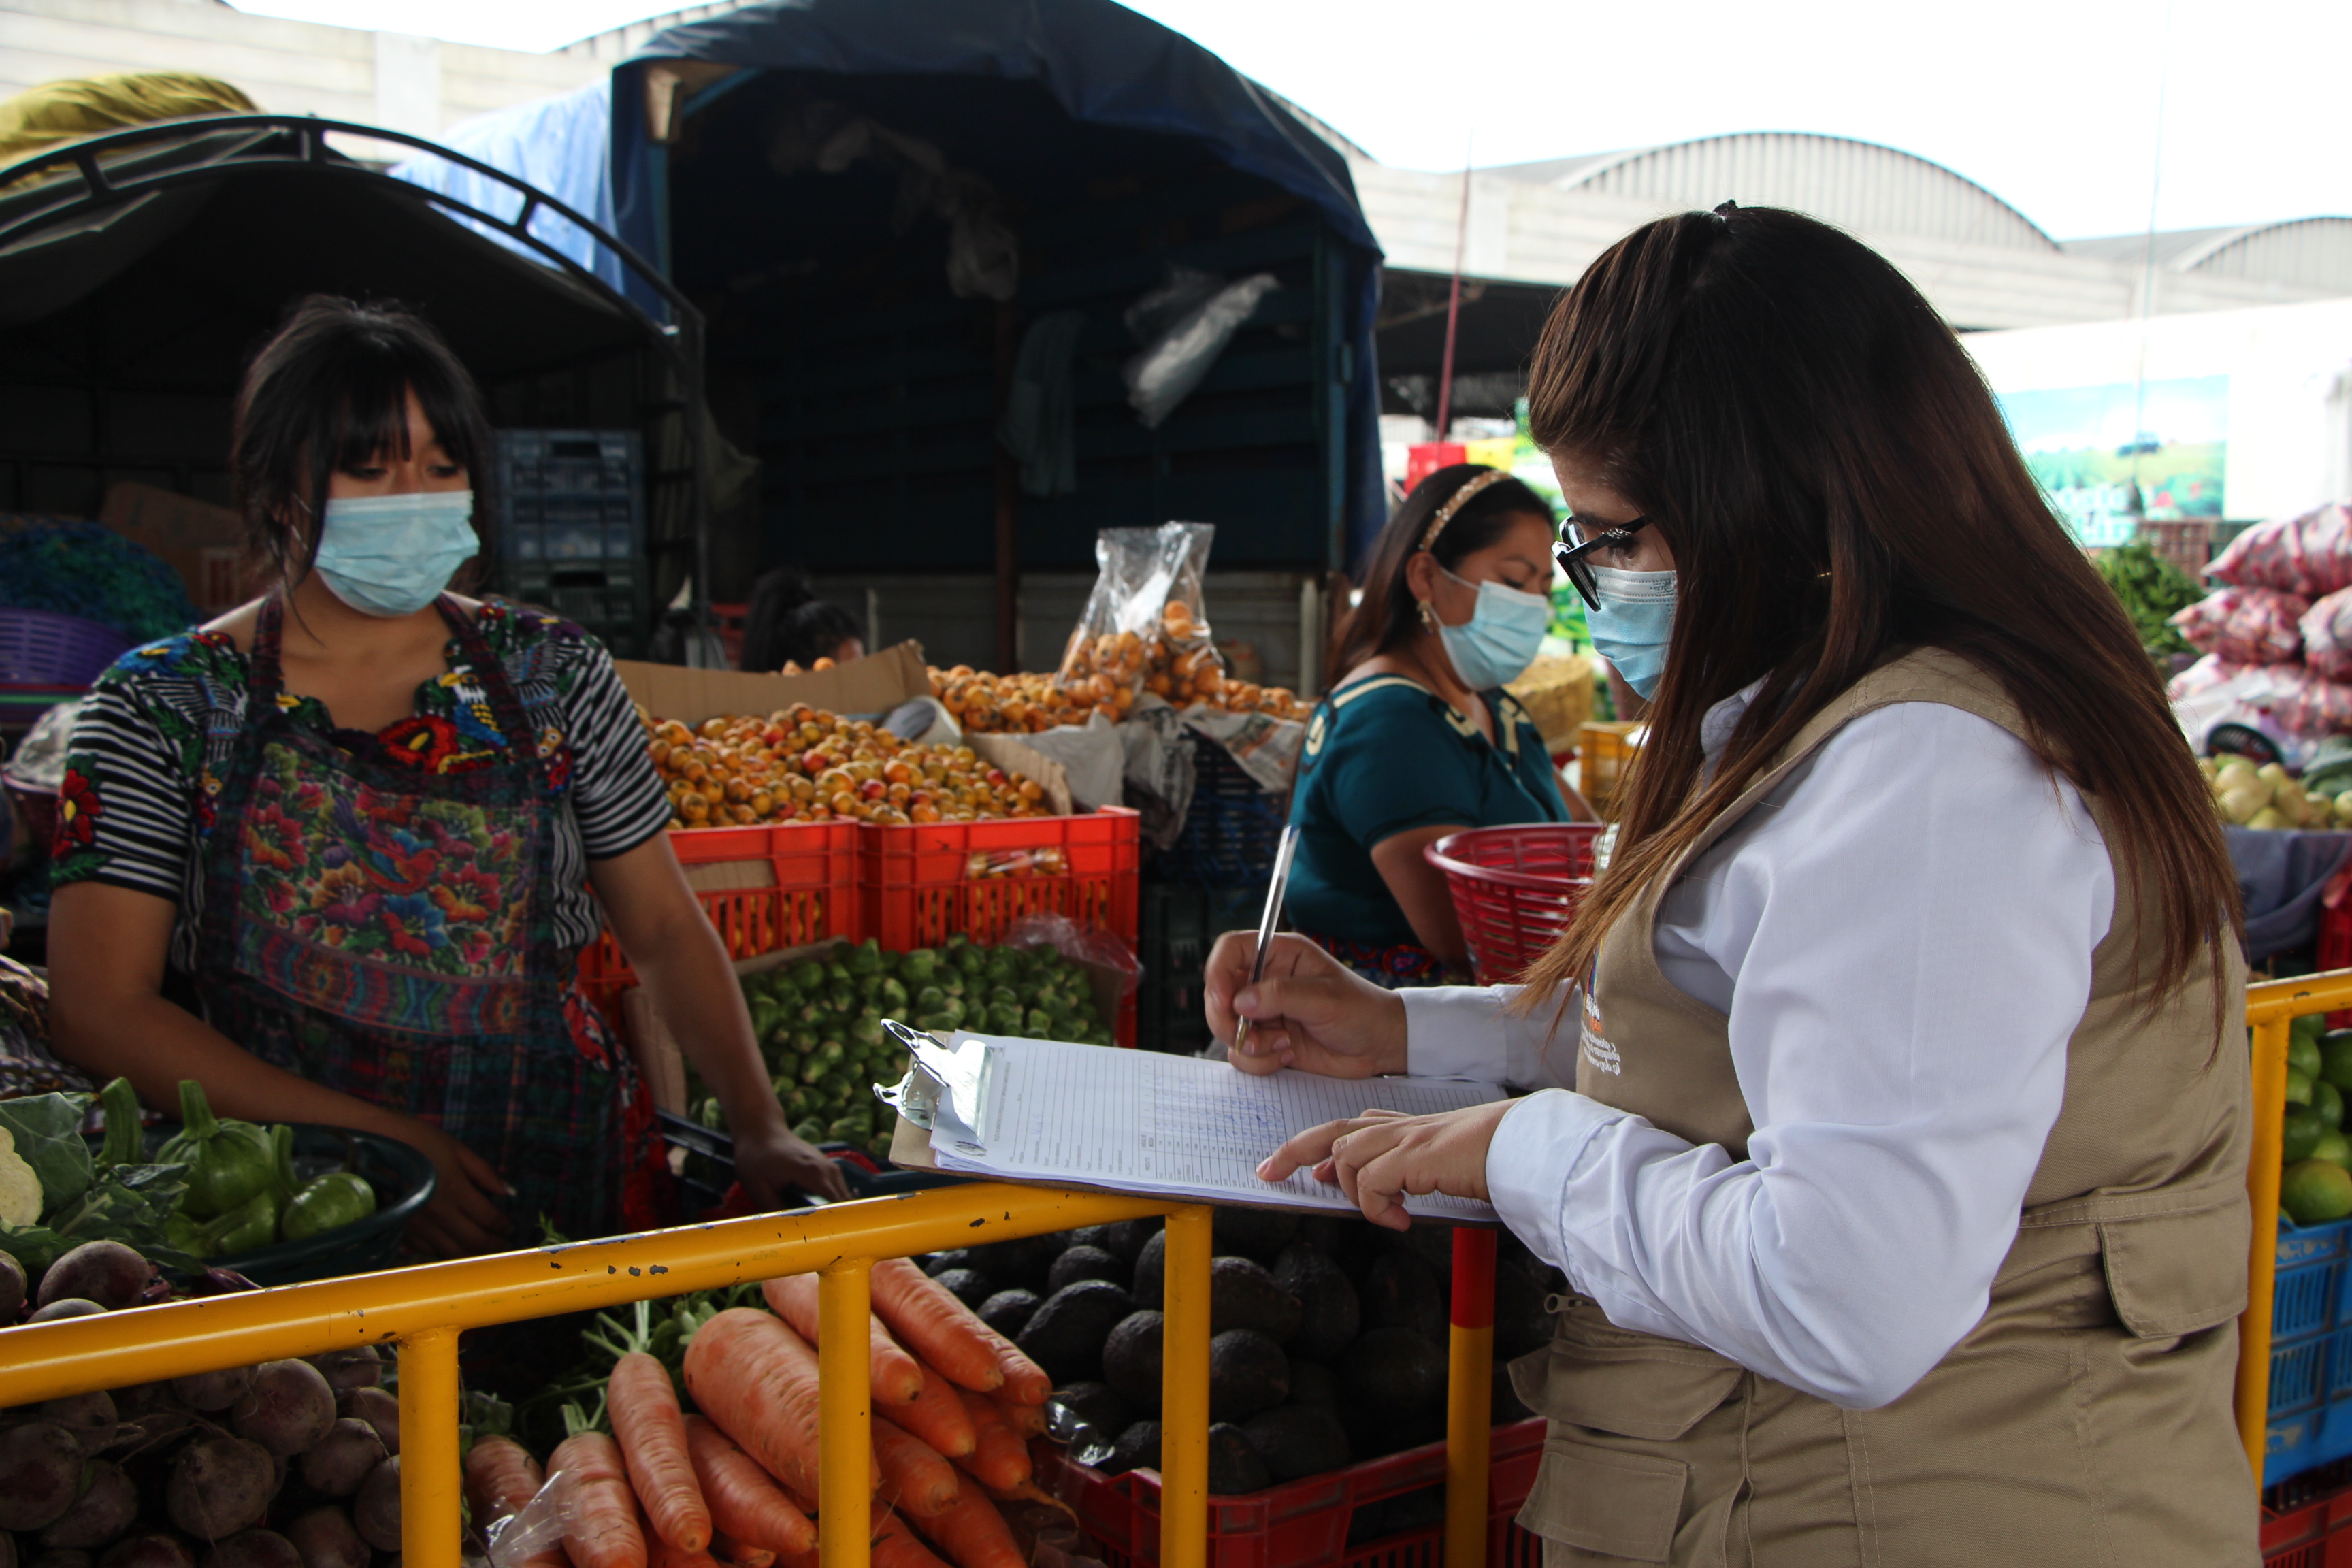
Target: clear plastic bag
column 2245, row 625
column 2304, row 703
column 1144, row 628
column 526, row 1537
column 1165, row 370
column 2310, row 555
column 1083, row 944
column 2327, row 636
column 2211, row 671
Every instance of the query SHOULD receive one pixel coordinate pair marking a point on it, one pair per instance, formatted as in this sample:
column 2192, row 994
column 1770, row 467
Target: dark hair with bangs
column 327, row 391
column 1385, row 617
column 788, row 624
column 1838, row 486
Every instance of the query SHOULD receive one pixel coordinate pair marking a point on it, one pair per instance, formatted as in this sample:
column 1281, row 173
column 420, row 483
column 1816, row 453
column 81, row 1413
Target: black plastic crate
column 1232, row 828
column 571, row 498
column 1181, row 922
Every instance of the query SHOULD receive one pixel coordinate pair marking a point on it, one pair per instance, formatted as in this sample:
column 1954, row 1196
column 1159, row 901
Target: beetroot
column 289, row 1407
column 325, row 1539
column 220, row 1486
column 13, row 1291
column 153, row 1549
column 107, row 1505
column 254, row 1549
column 58, row 1557
column 378, row 1409
column 358, row 1367
column 40, row 1474
column 92, row 1415
column 106, row 1272
column 66, row 1307
column 339, row 1461
column 214, row 1390
column 376, row 1513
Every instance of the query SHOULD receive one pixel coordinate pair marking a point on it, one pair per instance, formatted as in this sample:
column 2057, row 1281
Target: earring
column 1428, row 618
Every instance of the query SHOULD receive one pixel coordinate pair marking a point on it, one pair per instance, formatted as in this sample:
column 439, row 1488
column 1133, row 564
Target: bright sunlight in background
column 2049, row 103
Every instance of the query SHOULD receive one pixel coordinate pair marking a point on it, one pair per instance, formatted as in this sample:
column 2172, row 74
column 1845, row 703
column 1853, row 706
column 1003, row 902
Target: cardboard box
column 203, row 543
column 865, row 688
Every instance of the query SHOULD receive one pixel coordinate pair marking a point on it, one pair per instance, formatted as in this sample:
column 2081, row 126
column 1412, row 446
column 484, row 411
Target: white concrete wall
column 2290, row 369
column 413, row 84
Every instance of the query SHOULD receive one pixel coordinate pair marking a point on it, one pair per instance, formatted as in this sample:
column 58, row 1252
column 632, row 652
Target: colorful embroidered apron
column 378, row 929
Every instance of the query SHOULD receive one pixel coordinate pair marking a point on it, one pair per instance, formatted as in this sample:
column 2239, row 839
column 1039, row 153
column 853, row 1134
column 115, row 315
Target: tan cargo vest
column 2086, row 1419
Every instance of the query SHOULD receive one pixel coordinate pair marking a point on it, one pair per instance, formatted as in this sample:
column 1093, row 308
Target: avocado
column 969, row 1286
column 1433, row 1244
column 1123, row 1240
column 1243, row 1295
column 1258, row 1235
column 1009, row 1312
column 1066, row 1334
column 1399, row 1292
column 1098, row 1404
column 1392, row 1371
column 1130, row 1358
column 938, row 1263
column 1247, row 1373
column 1329, row 1313
column 1023, row 1261
column 1086, row 1263
column 1311, row 1383
column 1138, row 1448
column 1150, row 1288
column 1297, row 1440
column 1234, row 1466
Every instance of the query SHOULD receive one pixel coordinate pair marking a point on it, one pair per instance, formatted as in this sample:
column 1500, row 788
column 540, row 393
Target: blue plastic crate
column 2305, row 1440
column 2311, row 1350
column 1231, row 829
column 2301, row 1372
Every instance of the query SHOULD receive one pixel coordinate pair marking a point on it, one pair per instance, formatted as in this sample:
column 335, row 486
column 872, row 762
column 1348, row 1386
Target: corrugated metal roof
column 1855, row 184
column 2311, row 252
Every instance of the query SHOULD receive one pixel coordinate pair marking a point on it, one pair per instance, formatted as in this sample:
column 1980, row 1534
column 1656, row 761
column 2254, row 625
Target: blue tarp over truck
column 1111, row 146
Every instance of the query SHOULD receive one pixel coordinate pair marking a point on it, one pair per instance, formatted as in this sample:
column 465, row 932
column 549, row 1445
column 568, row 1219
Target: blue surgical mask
column 391, row 555
column 1500, row 640
column 1633, row 624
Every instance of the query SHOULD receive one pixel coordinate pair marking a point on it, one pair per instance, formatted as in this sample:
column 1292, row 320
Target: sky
column 2053, row 105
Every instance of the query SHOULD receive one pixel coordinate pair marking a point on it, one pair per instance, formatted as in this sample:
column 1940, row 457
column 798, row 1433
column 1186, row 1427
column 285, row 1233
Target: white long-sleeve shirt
column 1901, row 935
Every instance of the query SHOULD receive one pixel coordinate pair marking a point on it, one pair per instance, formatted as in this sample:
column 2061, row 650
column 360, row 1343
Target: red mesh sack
column 2245, row 625
column 2209, row 671
column 2310, row 555
column 2327, row 636
column 2307, row 704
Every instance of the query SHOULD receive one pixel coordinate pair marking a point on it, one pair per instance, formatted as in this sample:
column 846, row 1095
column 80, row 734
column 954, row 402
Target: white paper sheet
column 1143, row 1122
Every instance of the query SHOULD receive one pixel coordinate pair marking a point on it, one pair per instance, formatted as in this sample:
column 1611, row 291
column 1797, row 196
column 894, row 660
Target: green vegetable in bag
column 336, row 1199
column 228, row 1161
column 253, row 1223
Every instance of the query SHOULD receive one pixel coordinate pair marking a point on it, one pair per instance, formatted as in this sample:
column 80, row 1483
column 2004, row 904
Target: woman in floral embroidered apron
column 368, row 824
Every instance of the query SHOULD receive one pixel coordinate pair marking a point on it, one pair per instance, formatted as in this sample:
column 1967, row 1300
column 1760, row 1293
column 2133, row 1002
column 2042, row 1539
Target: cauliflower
column 20, row 1189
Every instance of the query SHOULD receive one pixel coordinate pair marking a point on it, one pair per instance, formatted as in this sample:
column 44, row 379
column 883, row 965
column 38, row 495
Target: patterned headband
column 1454, row 503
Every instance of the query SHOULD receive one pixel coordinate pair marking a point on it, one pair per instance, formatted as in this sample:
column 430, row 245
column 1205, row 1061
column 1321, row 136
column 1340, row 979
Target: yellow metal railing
column 422, row 1310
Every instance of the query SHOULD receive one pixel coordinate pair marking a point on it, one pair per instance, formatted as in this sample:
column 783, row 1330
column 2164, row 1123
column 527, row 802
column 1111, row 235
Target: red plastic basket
column 764, row 888
column 1305, row 1522
column 925, row 883
column 39, row 647
column 2314, row 1533
column 1515, row 888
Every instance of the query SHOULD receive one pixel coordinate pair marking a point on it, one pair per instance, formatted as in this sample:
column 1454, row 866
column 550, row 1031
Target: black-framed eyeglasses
column 1576, row 543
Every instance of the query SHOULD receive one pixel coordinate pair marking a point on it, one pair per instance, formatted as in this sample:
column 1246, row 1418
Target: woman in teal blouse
column 1418, row 739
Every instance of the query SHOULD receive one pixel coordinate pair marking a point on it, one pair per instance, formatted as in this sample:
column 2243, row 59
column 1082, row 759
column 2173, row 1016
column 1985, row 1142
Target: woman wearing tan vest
column 1900, row 1185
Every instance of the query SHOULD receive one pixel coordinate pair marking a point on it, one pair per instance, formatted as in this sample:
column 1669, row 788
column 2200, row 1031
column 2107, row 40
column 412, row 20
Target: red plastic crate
column 1514, row 889
column 919, row 889
column 764, row 888
column 1305, row 1522
column 2334, row 949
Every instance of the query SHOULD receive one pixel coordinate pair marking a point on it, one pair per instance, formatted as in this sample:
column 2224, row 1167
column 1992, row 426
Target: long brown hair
column 1384, row 617
column 1837, row 485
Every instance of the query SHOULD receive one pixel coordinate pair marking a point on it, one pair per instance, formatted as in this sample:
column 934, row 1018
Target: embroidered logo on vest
column 1598, row 1050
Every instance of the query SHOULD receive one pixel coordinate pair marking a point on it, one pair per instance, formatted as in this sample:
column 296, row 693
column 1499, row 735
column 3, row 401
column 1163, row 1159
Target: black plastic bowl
column 403, row 1179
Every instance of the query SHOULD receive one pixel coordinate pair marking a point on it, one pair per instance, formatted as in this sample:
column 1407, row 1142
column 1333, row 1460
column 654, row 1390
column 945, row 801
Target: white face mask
column 1500, row 640
column 393, row 555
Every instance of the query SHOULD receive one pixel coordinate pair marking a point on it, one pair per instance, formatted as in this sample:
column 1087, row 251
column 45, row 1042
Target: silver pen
column 1273, row 917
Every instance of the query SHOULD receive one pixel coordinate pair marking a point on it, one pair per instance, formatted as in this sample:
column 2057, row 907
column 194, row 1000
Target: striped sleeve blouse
column 149, row 748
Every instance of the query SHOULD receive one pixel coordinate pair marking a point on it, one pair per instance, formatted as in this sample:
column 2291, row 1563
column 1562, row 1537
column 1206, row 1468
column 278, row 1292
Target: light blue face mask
column 1500, row 640
column 1633, row 624
column 391, row 555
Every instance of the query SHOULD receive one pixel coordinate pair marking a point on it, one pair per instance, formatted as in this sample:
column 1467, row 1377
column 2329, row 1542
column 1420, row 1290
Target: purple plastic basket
column 39, row 649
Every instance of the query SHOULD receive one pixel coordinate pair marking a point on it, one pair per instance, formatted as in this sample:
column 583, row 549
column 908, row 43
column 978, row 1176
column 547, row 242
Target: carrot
column 895, row 1545
column 652, row 1433
column 1026, row 1420
column 664, row 1556
column 727, row 1549
column 745, row 1506
column 999, row 1459
column 913, row 1474
column 942, row 1330
column 938, row 1418
column 896, row 1379
column 501, row 1478
column 756, row 1380
column 973, row 1534
column 601, row 1531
